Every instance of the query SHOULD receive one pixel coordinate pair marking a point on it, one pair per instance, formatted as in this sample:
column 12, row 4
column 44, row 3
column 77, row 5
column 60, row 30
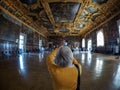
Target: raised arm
column 50, row 59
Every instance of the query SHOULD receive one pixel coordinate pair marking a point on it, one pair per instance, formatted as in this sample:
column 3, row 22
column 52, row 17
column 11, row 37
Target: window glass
column 100, row 38
column 83, row 42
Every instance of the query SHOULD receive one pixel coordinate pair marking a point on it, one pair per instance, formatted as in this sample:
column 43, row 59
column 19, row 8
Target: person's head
column 62, row 42
column 64, row 56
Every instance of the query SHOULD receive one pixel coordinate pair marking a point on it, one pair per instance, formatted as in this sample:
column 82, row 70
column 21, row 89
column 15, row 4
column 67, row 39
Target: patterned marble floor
column 29, row 72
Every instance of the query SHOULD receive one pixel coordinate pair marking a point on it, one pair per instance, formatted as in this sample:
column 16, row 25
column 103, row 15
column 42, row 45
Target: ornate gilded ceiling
column 64, row 11
column 61, row 17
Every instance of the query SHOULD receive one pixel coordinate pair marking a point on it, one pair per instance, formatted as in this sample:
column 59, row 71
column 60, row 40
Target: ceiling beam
column 48, row 11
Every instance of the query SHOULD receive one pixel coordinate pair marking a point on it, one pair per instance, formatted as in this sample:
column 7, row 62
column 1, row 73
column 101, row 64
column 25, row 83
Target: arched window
column 89, row 44
column 118, row 23
column 119, row 30
column 83, row 43
column 40, row 44
column 22, row 42
column 100, row 38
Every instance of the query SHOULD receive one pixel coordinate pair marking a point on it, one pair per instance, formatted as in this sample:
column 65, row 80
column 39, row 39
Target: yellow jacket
column 64, row 78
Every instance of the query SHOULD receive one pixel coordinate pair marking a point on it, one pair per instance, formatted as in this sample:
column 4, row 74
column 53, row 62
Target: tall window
column 119, row 29
column 100, row 38
column 40, row 44
column 89, row 44
column 83, row 43
column 118, row 23
column 22, row 42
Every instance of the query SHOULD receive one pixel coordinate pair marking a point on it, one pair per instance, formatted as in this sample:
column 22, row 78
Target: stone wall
column 9, row 35
column 111, row 33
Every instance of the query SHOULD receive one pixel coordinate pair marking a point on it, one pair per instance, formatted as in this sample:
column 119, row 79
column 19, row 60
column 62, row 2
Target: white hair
column 64, row 56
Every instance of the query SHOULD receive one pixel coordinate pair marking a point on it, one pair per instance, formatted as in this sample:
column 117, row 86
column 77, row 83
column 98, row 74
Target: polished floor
column 29, row 72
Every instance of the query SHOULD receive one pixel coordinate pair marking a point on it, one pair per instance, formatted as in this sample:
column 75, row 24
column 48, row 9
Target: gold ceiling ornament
column 66, row 17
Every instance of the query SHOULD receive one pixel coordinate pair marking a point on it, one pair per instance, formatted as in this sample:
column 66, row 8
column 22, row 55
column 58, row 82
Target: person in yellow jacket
column 62, row 69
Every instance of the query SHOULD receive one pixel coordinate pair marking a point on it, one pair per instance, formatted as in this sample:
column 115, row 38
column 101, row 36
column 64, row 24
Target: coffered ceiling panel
column 64, row 11
column 61, row 17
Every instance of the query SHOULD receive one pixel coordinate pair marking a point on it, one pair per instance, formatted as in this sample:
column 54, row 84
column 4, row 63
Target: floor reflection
column 116, row 79
column 41, row 56
column 89, row 58
column 29, row 72
column 83, row 58
column 21, row 64
column 98, row 68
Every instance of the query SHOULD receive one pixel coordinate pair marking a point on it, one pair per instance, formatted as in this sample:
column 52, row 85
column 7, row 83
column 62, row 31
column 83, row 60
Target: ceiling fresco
column 61, row 17
column 64, row 11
